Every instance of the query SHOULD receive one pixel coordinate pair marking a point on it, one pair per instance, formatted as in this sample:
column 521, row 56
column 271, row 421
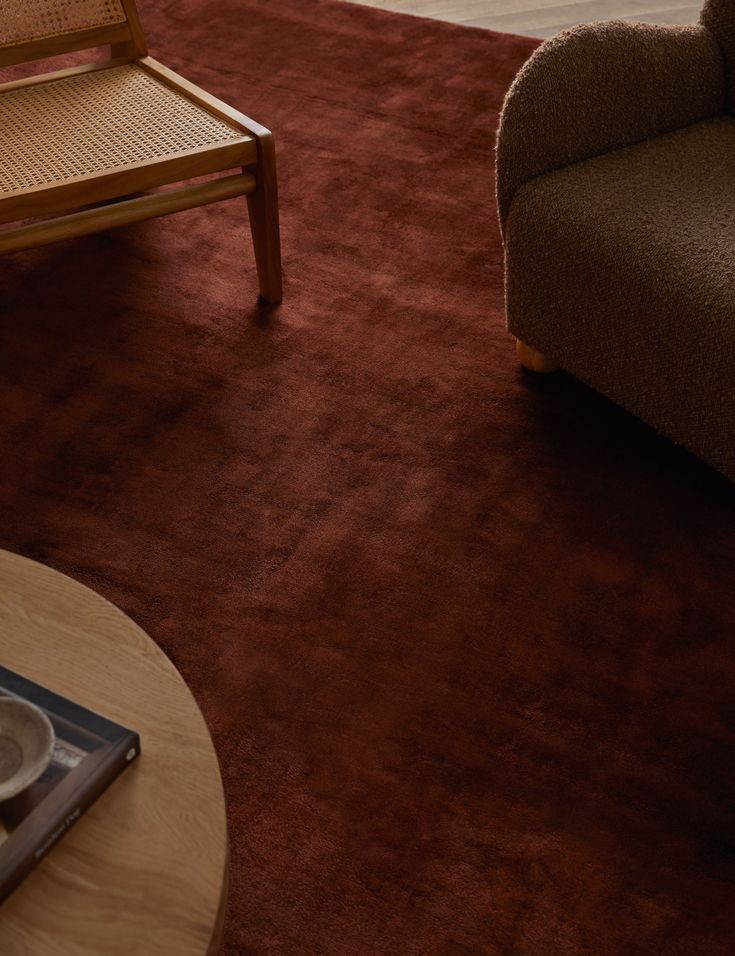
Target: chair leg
column 263, row 212
column 532, row 359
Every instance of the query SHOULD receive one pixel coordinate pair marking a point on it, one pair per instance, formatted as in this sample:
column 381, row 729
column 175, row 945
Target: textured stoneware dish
column 26, row 745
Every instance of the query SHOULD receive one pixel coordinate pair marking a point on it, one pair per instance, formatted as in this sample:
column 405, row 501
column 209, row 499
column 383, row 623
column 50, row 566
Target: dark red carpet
column 464, row 637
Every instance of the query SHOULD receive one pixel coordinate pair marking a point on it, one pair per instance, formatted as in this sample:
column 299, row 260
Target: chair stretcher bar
column 124, row 212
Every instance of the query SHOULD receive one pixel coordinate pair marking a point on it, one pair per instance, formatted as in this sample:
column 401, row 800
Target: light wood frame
column 122, row 194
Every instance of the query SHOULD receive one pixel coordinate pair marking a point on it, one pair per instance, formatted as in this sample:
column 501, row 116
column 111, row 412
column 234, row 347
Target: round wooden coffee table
column 145, row 869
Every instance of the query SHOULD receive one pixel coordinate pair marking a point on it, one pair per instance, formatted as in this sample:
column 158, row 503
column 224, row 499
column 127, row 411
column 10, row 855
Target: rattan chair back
column 25, row 21
column 35, row 29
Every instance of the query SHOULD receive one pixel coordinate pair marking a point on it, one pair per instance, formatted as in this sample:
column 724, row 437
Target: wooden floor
column 541, row 18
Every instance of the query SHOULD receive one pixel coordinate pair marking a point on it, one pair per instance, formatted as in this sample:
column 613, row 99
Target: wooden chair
column 101, row 136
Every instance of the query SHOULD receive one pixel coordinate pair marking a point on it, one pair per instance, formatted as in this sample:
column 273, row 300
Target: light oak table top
column 144, row 872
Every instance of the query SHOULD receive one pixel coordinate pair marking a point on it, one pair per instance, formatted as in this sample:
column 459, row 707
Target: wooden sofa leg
column 264, row 225
column 532, row 359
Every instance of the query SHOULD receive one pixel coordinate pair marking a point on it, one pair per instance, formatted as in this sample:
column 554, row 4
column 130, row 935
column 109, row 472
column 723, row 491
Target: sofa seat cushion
column 621, row 268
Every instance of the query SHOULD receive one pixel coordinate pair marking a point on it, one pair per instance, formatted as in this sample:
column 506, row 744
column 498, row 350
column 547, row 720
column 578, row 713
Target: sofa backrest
column 600, row 87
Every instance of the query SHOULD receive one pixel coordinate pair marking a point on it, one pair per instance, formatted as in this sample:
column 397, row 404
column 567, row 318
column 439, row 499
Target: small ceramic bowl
column 26, row 745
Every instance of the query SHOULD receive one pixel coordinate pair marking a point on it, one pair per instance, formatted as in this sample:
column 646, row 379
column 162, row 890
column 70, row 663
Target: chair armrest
column 599, row 87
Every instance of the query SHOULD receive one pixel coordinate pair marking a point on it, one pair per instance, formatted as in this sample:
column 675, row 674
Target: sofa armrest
column 599, row 87
column 718, row 17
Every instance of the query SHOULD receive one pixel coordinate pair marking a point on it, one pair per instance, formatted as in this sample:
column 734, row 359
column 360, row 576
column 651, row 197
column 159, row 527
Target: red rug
column 464, row 636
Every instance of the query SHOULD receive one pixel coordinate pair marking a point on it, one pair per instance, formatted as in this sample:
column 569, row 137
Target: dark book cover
column 89, row 753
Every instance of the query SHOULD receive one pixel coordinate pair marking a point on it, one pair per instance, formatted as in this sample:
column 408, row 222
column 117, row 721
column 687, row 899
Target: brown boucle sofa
column 616, row 196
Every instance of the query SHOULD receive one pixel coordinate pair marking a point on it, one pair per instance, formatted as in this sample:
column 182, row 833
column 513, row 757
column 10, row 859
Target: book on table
column 90, row 752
